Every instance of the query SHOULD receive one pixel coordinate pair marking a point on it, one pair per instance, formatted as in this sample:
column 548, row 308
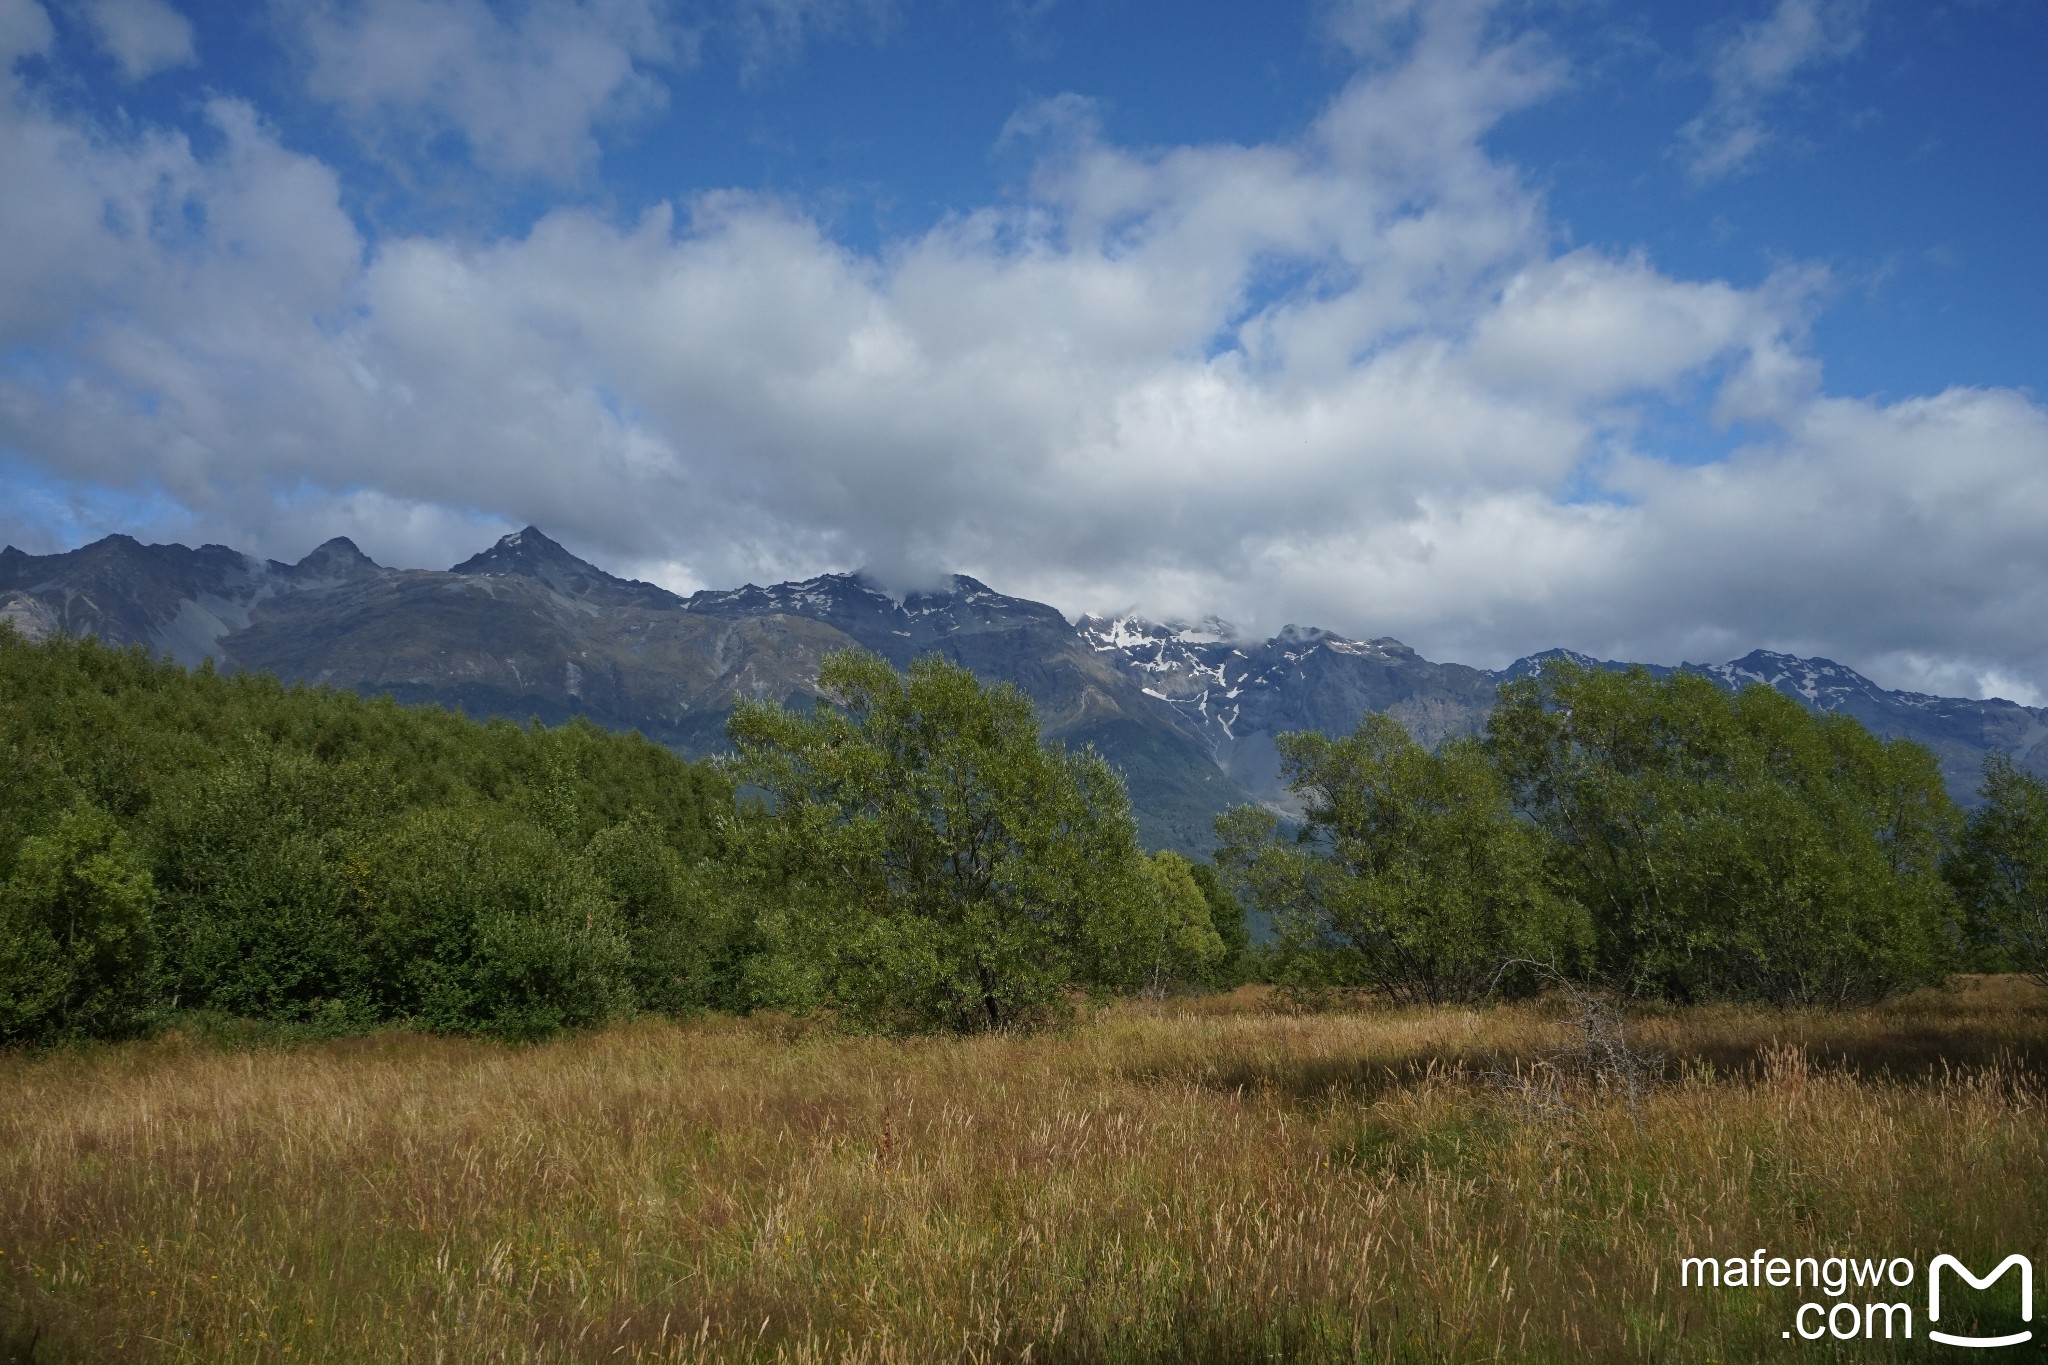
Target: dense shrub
column 940, row 867
column 250, row 855
column 1730, row 846
column 478, row 923
column 77, row 946
column 312, row 857
column 689, row 926
column 2001, row 868
column 1409, row 874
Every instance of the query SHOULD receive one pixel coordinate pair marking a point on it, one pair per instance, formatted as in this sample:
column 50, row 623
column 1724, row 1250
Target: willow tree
column 941, row 868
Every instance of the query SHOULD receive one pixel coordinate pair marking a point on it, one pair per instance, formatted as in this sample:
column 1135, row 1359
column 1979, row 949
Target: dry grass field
column 1206, row 1180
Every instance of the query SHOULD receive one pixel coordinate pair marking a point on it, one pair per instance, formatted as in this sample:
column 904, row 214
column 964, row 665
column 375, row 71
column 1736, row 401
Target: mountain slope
column 525, row 628
column 1240, row 694
column 528, row 629
column 1081, row 699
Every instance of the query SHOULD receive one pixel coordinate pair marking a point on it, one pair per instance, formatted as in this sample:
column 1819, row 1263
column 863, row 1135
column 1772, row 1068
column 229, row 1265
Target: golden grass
column 1202, row 1180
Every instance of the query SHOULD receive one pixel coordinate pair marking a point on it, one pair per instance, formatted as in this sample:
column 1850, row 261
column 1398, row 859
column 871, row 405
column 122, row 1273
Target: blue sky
column 1666, row 331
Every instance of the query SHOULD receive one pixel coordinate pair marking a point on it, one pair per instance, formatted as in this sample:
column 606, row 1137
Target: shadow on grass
column 1979, row 1024
column 1906, row 1057
column 24, row 1346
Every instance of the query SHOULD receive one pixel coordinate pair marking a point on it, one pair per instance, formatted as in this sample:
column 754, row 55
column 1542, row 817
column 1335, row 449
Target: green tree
column 478, row 922
column 1730, row 846
column 280, row 826
column 940, row 867
column 249, row 856
column 684, row 921
column 1409, row 874
column 1227, row 917
column 1174, row 940
column 77, row 946
column 2001, row 867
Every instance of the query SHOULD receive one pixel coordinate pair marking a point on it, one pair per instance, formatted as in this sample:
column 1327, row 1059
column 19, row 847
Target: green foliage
column 2001, row 867
column 1227, row 918
column 250, row 855
column 1176, row 932
column 481, row 924
column 77, row 945
column 940, row 868
column 322, row 861
column 311, row 860
column 1665, row 838
column 1730, row 846
column 1410, row 874
column 689, row 926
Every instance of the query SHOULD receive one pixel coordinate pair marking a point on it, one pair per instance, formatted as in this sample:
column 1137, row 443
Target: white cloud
column 530, row 87
column 1754, row 66
column 764, row 33
column 24, row 32
column 1344, row 379
column 526, row 89
column 142, row 36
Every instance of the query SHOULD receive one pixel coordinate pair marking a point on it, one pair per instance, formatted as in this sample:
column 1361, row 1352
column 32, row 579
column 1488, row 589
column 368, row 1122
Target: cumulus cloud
column 525, row 88
column 142, row 36
column 24, row 31
column 764, row 33
column 1753, row 67
column 1344, row 379
column 530, row 88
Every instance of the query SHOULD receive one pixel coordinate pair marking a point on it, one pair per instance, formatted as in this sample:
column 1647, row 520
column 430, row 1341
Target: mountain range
column 1188, row 713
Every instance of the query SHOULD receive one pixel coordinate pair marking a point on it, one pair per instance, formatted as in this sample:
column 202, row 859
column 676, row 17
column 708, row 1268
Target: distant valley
column 527, row 629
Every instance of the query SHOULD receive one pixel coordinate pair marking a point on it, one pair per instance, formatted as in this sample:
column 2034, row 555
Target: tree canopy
column 941, row 867
column 1409, row 873
column 2001, row 868
column 1731, row 845
column 181, row 841
column 1663, row 837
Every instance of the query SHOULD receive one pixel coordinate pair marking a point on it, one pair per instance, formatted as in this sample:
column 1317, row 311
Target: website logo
column 2026, row 1269
column 1857, row 1298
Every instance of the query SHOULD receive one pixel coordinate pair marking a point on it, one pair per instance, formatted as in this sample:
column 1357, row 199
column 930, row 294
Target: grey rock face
column 1188, row 713
column 1240, row 694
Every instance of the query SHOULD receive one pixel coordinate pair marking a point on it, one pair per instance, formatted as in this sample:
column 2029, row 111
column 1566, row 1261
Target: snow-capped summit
column 1821, row 683
column 1189, row 712
column 1238, row 694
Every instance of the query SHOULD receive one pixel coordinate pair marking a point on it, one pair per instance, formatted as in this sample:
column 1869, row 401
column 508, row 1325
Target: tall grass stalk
column 1171, row 1181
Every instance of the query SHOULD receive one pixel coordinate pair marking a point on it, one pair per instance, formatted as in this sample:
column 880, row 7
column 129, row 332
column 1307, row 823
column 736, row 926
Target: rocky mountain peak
column 336, row 560
column 1529, row 665
column 819, row 596
column 1821, row 683
column 529, row 553
column 1301, row 637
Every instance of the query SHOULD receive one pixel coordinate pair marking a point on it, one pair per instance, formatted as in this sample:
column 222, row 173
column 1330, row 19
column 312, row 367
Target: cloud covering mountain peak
column 1353, row 373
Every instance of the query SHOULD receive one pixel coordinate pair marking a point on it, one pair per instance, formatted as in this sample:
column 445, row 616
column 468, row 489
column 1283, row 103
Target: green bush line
column 176, row 841
column 203, row 846
column 1664, row 839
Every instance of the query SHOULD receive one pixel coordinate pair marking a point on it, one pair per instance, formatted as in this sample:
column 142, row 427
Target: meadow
column 1216, row 1178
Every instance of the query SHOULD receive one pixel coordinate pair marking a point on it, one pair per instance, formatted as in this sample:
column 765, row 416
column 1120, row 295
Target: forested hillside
column 181, row 841
column 1189, row 716
column 914, row 856
column 176, row 841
